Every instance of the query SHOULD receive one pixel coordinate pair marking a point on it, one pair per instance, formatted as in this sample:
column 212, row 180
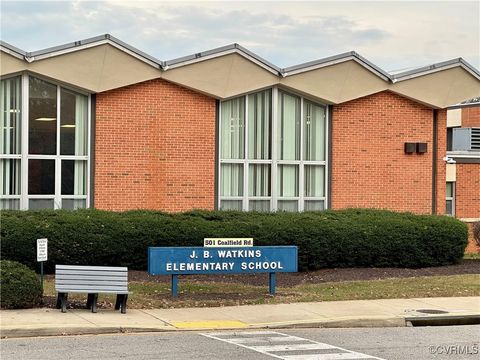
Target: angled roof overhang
column 103, row 63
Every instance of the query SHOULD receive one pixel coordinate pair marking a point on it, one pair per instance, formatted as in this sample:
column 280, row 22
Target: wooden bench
column 91, row 280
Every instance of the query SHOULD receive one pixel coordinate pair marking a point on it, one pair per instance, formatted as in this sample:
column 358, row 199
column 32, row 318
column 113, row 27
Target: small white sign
column 42, row 249
column 227, row 242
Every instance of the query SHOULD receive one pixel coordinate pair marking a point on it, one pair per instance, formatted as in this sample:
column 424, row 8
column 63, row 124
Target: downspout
column 330, row 163
column 217, row 155
column 93, row 112
column 434, row 162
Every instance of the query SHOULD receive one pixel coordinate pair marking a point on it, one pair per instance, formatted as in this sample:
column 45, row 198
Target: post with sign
column 42, row 255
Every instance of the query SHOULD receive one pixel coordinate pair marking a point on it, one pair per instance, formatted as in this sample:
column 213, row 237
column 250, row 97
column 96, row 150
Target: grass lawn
column 148, row 295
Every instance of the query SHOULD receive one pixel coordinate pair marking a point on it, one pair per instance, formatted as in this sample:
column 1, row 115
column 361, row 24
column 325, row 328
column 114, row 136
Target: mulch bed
column 319, row 276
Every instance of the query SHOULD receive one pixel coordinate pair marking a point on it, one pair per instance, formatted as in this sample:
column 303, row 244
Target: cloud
column 391, row 35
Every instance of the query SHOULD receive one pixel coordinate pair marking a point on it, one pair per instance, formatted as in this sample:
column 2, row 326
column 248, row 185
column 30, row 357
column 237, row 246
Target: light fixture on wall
column 45, row 119
column 449, row 160
column 68, row 126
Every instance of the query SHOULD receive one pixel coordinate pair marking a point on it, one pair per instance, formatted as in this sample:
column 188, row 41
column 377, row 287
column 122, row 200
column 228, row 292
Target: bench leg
column 89, row 301
column 59, row 301
column 62, row 301
column 94, row 303
column 118, row 301
column 124, row 304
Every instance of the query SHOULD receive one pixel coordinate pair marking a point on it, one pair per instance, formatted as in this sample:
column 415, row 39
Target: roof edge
column 81, row 44
column 221, row 51
column 236, row 48
column 311, row 65
column 444, row 65
column 12, row 49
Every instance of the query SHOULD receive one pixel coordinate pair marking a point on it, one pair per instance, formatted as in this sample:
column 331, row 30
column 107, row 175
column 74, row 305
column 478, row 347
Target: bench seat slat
column 83, row 267
column 93, row 286
column 92, row 291
column 91, row 278
column 91, row 272
column 96, row 282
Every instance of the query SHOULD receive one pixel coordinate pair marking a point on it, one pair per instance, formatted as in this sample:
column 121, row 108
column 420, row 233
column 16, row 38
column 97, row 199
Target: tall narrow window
column 42, row 108
column 289, row 127
column 314, row 131
column 259, row 125
column 233, row 129
column 73, row 124
column 450, row 199
column 10, row 144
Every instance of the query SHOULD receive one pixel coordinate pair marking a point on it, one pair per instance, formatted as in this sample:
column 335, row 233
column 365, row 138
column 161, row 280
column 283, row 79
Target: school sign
column 227, row 260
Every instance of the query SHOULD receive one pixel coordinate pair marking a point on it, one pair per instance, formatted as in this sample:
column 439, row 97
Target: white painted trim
column 431, row 71
column 220, row 54
column 91, row 45
column 274, row 145
column 12, row 53
column 24, row 144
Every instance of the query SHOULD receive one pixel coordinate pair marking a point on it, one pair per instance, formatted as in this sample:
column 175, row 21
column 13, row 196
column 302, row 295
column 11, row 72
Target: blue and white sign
column 200, row 260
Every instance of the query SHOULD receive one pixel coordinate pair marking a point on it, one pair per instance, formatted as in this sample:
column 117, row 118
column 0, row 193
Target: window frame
column 450, row 198
column 25, row 155
column 274, row 161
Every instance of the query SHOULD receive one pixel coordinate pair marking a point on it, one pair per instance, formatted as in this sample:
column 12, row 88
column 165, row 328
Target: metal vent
column 475, row 145
column 466, row 139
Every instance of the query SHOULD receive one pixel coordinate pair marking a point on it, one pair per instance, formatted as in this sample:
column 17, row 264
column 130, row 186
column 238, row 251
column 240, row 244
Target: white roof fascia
column 11, row 52
column 333, row 62
column 431, row 71
column 219, row 54
column 91, row 45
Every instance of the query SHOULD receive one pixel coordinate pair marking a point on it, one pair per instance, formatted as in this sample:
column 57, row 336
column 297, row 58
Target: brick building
column 98, row 123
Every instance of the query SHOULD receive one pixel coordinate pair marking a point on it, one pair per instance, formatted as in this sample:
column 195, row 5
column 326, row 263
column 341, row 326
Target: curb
column 40, row 332
column 406, row 321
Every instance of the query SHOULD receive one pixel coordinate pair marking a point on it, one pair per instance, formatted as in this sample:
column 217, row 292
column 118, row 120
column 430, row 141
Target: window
column 50, row 168
column 450, row 199
column 10, row 146
column 272, row 150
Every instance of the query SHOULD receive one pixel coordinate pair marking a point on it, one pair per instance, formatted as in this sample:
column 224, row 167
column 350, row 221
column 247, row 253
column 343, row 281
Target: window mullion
column 89, row 150
column 25, row 123
column 273, row 142
column 58, row 162
column 301, row 169
column 245, row 156
column 326, row 163
column 219, row 165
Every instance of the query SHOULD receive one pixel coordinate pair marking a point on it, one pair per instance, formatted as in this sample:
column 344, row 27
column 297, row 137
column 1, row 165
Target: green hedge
column 347, row 238
column 19, row 286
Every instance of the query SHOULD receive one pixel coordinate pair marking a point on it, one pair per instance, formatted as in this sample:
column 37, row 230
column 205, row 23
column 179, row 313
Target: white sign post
column 42, row 255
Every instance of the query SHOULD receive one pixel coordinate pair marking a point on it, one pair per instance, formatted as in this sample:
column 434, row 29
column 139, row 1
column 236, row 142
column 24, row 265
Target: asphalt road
column 453, row 342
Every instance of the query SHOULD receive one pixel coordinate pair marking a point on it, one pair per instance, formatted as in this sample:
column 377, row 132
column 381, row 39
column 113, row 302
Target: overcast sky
column 392, row 35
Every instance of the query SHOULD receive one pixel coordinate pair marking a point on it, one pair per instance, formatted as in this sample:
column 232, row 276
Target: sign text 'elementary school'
column 199, row 260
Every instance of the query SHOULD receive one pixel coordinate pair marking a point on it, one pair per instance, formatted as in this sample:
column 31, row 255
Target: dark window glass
column 449, row 138
column 42, row 128
column 67, row 123
column 74, row 177
column 41, row 177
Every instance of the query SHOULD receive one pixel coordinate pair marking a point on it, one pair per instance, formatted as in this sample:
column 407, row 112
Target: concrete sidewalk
column 361, row 313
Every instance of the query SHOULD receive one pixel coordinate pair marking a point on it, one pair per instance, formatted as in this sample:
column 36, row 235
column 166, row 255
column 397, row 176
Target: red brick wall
column 471, row 116
column 467, row 191
column 370, row 168
column 154, row 148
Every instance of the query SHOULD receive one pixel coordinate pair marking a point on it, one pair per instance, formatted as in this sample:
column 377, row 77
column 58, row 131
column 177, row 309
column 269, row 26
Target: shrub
column 19, row 286
column 346, row 238
column 476, row 232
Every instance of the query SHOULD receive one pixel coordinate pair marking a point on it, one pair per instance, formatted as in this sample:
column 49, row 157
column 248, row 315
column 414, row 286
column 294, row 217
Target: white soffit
column 441, row 88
